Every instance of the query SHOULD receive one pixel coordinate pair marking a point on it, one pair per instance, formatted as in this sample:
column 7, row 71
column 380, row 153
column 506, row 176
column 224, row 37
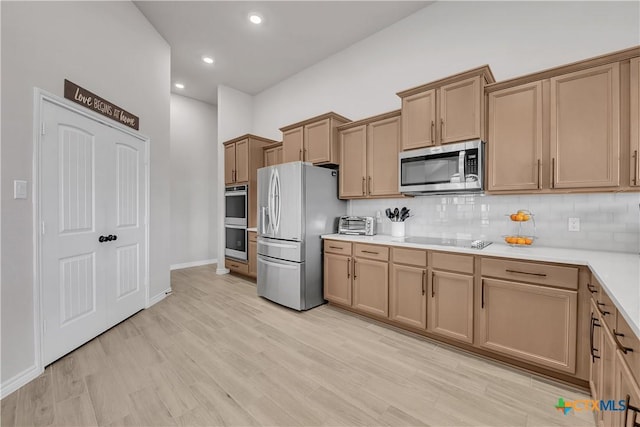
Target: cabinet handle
column 433, row 284
column 335, row 247
column 592, row 289
column 553, row 172
column 424, row 274
column 370, row 252
column 433, row 132
column 524, row 272
column 348, row 268
column 369, row 186
column 592, row 350
column 539, row 173
column 441, row 130
column 602, row 312
column 622, row 348
column 629, row 407
column 635, row 167
column 306, row 156
column 354, row 269
column 482, row 299
column 300, row 155
column 363, row 182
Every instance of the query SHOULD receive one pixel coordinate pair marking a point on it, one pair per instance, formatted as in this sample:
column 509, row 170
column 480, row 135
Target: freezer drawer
column 281, row 282
column 281, row 249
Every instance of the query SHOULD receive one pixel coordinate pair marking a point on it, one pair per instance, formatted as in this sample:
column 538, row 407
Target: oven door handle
column 235, row 193
column 241, row 227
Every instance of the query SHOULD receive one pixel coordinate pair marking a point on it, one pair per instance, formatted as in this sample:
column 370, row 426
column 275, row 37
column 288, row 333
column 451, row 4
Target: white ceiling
column 293, row 36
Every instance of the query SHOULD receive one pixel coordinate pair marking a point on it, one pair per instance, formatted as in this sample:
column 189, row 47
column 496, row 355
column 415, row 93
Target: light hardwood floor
column 213, row 353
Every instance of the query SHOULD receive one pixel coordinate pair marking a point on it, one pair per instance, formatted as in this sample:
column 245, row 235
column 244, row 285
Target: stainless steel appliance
column 235, row 242
column 449, row 168
column 235, row 205
column 358, row 225
column 297, row 202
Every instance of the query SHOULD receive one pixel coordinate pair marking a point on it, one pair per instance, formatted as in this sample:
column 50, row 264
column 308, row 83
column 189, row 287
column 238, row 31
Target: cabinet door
column 585, row 128
column 371, row 286
column 608, row 359
column 451, row 305
column 278, row 155
column 407, row 295
column 595, row 356
column 253, row 256
column 635, row 122
column 337, row 278
column 317, row 142
column 229, row 163
column 383, row 140
column 460, row 110
column 515, row 138
column 292, row 145
column 626, row 390
column 270, row 157
column 242, row 161
column 419, row 120
column 353, row 162
column 532, row 323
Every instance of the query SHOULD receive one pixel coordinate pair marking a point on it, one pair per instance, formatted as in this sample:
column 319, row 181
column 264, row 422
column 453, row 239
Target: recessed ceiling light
column 255, row 18
column 207, row 59
column 179, row 85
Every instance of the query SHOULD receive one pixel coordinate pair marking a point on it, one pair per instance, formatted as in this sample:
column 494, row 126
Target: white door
column 92, row 207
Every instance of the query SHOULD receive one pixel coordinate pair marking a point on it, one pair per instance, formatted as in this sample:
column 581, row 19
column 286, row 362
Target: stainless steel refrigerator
column 297, row 202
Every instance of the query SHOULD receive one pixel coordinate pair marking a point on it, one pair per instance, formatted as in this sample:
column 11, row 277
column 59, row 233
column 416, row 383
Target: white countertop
column 619, row 273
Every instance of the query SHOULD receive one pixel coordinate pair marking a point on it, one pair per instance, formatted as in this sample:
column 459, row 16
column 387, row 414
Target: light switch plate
column 573, row 224
column 19, row 189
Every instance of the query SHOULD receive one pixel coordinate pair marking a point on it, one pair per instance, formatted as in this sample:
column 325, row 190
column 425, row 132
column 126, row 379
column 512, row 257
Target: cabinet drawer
column 237, row 266
column 629, row 342
column 544, row 274
column 409, row 256
column 452, row 262
column 371, row 251
column 253, row 236
column 337, row 247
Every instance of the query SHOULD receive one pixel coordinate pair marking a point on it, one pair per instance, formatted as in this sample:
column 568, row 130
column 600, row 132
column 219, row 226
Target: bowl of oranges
column 521, row 216
column 523, row 228
column 519, row 240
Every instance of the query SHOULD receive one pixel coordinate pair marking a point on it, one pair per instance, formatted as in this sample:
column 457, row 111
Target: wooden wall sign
column 92, row 101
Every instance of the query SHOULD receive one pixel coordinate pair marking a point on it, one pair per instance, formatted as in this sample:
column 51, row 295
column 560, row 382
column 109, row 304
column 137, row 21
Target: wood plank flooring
column 213, row 354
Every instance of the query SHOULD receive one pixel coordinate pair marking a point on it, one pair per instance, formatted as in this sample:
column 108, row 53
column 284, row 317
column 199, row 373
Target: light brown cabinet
column 628, row 391
column 314, row 140
column 236, row 162
column 634, row 150
column 451, row 297
column 408, row 287
column 369, row 151
column 444, row 111
column 563, row 129
column 273, row 155
column 243, row 156
column 252, row 249
column 337, row 272
column 371, row 286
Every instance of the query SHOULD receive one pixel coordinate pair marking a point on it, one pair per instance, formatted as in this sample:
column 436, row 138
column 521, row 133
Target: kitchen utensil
column 405, row 215
column 396, row 214
column 402, row 212
column 389, row 214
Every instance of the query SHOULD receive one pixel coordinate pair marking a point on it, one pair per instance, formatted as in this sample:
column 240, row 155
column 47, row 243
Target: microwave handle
column 461, row 161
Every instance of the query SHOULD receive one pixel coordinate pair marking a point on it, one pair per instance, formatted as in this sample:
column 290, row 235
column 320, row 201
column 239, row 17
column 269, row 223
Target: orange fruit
column 526, row 217
column 520, row 240
column 514, row 217
column 511, row 239
column 528, row 241
column 519, row 217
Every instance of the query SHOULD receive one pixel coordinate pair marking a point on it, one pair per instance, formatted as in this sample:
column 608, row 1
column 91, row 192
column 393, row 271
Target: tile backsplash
column 608, row 221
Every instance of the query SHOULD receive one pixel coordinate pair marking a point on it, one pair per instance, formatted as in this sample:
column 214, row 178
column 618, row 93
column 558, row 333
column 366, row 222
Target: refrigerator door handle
column 278, row 265
column 278, row 245
column 277, row 200
column 270, row 201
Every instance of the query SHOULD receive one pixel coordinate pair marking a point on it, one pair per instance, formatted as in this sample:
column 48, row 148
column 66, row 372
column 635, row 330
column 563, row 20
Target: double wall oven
column 235, row 221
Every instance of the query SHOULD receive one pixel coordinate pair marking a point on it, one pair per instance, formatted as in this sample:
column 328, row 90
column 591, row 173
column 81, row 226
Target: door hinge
column 42, row 128
column 42, row 229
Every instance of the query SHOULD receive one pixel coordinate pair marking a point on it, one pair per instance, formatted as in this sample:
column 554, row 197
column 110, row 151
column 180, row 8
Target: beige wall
column 112, row 50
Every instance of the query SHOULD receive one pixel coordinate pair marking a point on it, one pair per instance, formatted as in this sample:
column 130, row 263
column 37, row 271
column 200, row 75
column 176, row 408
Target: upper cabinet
column 314, row 140
column 273, row 155
column 444, row 111
column 563, row 129
column 236, row 161
column 369, row 157
column 634, row 164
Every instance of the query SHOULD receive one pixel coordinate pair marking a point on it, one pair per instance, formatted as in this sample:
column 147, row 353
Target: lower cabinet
column 237, row 266
column 371, row 286
column 337, row 278
column 533, row 323
column 607, row 388
column 451, row 305
column 627, row 391
column 408, row 295
column 253, row 254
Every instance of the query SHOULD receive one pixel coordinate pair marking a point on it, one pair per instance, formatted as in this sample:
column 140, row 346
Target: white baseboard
column 193, row 264
column 22, row 378
column 159, row 297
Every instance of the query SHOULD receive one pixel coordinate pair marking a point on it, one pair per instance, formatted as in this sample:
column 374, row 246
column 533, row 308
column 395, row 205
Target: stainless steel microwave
column 450, row 168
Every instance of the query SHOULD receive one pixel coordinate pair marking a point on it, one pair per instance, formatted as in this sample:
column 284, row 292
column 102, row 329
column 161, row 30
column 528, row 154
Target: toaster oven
column 359, row 225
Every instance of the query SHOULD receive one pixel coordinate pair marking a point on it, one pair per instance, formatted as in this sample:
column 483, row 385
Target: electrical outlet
column 378, row 217
column 19, row 189
column 573, row 224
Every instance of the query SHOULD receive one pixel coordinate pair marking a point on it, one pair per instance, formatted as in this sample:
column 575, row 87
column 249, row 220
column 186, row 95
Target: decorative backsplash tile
column 609, row 221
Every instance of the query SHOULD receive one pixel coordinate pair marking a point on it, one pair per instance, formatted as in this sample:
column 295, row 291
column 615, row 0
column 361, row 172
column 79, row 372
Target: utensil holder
column 397, row 229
